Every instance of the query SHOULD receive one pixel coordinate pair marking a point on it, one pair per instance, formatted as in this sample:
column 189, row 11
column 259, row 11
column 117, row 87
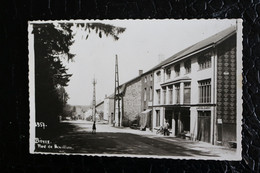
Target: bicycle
column 159, row 130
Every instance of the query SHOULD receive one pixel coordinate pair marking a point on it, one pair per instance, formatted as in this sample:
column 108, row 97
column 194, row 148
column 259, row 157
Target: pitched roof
column 122, row 88
column 100, row 103
column 210, row 41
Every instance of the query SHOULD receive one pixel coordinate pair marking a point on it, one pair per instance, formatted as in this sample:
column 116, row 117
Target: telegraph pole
column 94, row 100
column 117, row 95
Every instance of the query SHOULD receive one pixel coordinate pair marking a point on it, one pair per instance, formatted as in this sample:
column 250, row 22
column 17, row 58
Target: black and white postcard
column 136, row 88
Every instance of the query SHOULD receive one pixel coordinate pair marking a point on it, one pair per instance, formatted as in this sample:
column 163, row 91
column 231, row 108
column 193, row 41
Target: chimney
column 140, row 72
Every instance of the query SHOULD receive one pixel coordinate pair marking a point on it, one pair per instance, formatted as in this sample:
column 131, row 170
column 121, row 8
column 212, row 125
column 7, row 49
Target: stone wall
column 132, row 102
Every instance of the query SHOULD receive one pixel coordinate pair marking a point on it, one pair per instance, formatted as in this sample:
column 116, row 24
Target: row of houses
column 195, row 91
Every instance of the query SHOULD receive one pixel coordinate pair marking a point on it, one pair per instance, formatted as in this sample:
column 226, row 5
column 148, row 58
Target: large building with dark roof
column 195, row 90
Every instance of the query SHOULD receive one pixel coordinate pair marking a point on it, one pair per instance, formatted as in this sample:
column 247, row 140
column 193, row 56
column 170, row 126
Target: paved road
column 77, row 138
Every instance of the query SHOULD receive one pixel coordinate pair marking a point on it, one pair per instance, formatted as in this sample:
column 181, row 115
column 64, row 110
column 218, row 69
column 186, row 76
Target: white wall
column 195, row 75
column 106, row 108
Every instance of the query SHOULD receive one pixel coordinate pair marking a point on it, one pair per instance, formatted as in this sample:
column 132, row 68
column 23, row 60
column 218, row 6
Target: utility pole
column 94, row 100
column 117, row 95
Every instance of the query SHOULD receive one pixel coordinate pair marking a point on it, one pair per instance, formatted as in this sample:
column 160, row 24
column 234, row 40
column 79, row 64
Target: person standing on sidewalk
column 166, row 128
column 94, row 128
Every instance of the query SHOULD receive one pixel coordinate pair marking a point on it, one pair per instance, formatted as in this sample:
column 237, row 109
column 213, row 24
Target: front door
column 204, row 126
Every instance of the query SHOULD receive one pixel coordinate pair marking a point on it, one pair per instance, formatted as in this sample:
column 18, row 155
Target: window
column 170, row 94
column 151, row 93
column 205, row 91
column 204, row 113
column 145, row 79
column 187, row 66
column 204, row 61
column 168, row 73
column 187, row 92
column 164, row 95
column 151, row 77
column 177, row 93
column 158, row 92
column 177, row 70
column 145, row 94
column 158, row 76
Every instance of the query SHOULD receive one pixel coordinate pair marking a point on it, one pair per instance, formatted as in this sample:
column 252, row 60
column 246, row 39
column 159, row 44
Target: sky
column 143, row 45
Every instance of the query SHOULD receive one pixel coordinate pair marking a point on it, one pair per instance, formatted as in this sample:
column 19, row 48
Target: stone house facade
column 132, row 102
column 130, row 105
column 146, row 100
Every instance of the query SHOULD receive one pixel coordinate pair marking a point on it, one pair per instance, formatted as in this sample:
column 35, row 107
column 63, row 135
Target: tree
column 67, row 111
column 52, row 45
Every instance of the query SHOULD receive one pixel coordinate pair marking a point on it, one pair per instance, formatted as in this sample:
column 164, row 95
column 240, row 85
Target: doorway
column 182, row 120
column 204, row 118
column 168, row 117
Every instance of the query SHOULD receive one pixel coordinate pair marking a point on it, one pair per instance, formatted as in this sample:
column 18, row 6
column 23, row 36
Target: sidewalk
column 222, row 152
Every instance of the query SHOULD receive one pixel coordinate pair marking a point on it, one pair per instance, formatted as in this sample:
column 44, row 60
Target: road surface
column 78, row 138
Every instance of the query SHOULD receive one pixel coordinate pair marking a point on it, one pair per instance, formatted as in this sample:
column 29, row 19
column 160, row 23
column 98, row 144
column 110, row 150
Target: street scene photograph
column 136, row 88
